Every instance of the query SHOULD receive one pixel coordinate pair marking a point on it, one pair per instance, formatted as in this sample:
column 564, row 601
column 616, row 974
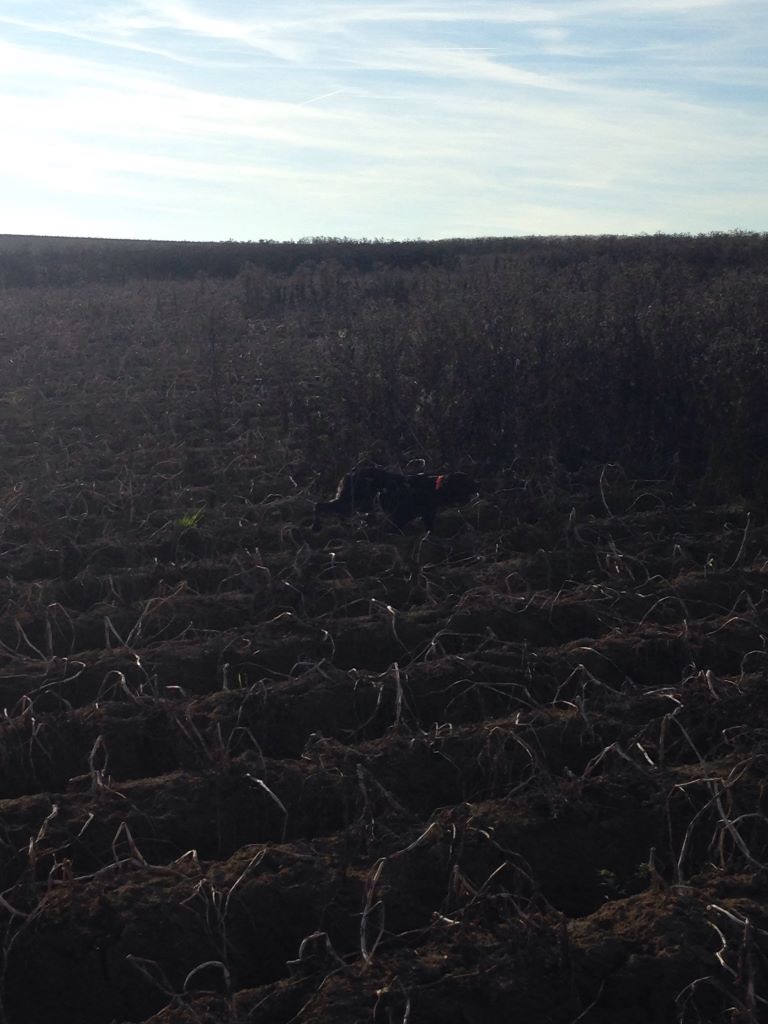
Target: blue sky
column 379, row 118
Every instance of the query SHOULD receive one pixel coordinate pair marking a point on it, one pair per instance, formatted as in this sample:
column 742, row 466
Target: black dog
column 403, row 498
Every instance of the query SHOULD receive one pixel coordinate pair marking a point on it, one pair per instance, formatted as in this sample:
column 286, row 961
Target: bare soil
column 514, row 770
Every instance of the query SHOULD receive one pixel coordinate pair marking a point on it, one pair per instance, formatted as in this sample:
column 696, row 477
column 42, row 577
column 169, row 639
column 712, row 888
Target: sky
column 216, row 119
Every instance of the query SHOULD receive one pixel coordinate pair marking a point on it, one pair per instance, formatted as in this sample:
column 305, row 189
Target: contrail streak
column 324, row 96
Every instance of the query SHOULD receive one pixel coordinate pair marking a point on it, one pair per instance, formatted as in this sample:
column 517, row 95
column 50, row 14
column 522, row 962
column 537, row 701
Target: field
column 515, row 769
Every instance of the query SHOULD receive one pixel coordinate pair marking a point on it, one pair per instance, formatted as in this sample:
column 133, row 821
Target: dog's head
column 455, row 488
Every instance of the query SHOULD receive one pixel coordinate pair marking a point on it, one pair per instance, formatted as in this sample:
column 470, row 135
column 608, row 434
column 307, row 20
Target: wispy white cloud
column 452, row 62
column 647, row 7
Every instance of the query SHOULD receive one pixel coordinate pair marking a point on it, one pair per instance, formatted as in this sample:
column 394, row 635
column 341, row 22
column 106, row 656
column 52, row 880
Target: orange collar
column 439, row 482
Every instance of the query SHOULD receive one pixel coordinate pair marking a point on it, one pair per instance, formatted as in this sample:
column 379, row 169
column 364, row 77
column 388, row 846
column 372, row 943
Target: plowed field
column 512, row 770
column 515, row 770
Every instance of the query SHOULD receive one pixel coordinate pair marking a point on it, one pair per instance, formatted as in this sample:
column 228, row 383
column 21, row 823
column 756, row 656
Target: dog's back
column 357, row 492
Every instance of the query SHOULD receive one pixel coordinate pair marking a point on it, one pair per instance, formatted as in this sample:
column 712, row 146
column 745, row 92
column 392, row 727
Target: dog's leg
column 428, row 518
